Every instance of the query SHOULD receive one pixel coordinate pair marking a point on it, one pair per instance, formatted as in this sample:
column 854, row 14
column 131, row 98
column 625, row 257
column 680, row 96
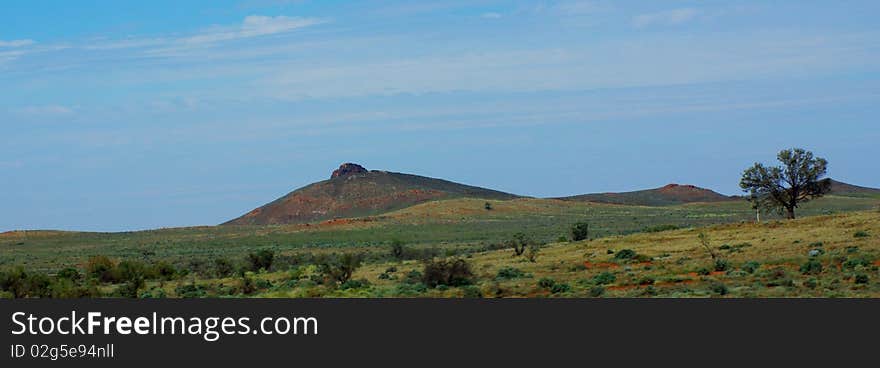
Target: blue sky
column 134, row 115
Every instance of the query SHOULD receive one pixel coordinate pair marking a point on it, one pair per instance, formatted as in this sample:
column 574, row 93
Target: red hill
column 353, row 191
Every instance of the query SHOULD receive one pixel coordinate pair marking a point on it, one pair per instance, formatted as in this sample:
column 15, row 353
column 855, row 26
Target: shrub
column 853, row 263
column 580, row 231
column 561, row 239
column 604, row 278
column 703, row 271
column 597, row 291
column 811, row 283
column 413, row 277
column 560, row 288
column 101, row 268
column 449, row 272
column 861, row 279
column 190, row 290
column 860, row 234
column 354, row 284
column 398, row 249
column 811, row 267
column 719, row 288
column 546, row 283
column 66, row 289
column 519, row 243
column 340, row 269
column 626, row 254
column 507, row 273
column 131, row 271
column 410, row 289
column 721, row 265
column 223, row 267
column 532, row 254
column 130, row 288
column 69, row 273
column 487, row 206
column 471, row 291
column 647, row 280
column 751, row 266
column 164, row 270
column 261, row 260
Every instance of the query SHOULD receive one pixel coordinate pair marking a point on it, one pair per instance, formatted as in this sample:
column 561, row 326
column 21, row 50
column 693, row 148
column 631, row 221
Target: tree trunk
column 790, row 214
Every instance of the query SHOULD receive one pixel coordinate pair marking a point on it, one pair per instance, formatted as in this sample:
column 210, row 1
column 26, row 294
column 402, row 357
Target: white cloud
column 665, row 18
column 16, row 43
column 254, row 26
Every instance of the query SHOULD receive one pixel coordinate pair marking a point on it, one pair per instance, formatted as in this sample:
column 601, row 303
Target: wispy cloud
column 665, row 18
column 16, row 43
column 251, row 26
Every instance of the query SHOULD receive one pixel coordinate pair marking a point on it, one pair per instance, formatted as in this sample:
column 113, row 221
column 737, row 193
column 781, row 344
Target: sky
column 135, row 115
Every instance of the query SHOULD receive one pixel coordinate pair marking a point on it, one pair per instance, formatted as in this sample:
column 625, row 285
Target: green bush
column 340, row 268
column 853, row 263
column 861, row 234
column 811, row 283
column 580, row 231
column 507, row 273
column 69, row 273
column 721, row 265
column 719, row 288
column 101, row 268
column 546, row 283
column 408, row 289
column 471, row 291
column 861, row 279
column 626, row 254
column 597, row 291
column 751, row 266
column 560, row 288
column 223, row 267
column 190, row 290
column 449, row 272
column 261, row 260
column 604, row 278
column 519, row 243
column 355, row 284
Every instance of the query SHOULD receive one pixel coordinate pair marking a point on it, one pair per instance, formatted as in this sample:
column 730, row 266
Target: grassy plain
column 757, row 260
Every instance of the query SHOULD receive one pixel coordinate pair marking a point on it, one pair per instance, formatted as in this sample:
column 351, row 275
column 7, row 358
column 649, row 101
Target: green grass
column 457, row 224
column 771, row 259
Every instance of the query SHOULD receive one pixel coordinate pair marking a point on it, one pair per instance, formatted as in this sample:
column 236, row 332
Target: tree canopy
column 783, row 188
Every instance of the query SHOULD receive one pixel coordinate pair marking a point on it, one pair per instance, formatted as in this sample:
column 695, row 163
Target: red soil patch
column 622, row 287
column 877, row 262
column 589, row 265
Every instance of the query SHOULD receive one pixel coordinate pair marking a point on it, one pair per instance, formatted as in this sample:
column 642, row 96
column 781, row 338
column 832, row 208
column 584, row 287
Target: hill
column 672, row 194
column 849, row 190
column 353, row 191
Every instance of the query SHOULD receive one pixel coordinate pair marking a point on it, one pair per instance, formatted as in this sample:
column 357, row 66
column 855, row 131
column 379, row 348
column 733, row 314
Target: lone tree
column 783, row 188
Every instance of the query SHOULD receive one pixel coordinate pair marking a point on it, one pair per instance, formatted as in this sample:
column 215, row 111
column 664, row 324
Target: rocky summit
column 348, row 168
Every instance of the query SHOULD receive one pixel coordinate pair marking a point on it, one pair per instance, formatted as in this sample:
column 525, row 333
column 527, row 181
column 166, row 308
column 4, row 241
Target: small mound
column 668, row 195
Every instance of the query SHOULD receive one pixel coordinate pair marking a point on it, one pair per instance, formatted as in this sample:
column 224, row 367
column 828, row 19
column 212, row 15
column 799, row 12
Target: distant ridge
column 849, row 190
column 668, row 195
column 353, row 191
